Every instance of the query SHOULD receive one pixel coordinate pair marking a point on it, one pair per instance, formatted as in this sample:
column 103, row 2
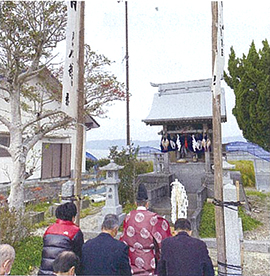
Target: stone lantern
column 112, row 180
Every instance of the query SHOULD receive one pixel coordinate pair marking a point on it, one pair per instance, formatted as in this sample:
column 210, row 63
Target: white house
column 54, row 155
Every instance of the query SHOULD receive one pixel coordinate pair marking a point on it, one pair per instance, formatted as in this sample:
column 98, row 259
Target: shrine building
column 184, row 110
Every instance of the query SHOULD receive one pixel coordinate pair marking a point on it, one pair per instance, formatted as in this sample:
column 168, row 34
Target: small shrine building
column 184, row 110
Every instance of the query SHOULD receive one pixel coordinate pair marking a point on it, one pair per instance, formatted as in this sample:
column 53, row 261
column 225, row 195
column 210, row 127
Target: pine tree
column 249, row 77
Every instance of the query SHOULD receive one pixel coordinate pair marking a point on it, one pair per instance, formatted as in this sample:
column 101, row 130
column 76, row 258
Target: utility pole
column 217, row 143
column 127, row 76
column 80, row 116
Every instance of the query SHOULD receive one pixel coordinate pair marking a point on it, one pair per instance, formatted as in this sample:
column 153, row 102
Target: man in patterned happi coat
column 143, row 232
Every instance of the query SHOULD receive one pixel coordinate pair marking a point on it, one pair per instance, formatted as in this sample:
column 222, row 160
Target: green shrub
column 248, row 223
column 143, row 167
column 28, row 255
column 132, row 168
column 247, row 171
column 207, row 226
column 129, row 207
column 38, row 207
column 99, row 163
column 14, row 226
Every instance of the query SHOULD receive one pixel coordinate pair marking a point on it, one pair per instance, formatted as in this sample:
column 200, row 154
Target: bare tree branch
column 43, row 131
column 40, row 117
column 4, row 147
column 4, row 88
column 5, row 121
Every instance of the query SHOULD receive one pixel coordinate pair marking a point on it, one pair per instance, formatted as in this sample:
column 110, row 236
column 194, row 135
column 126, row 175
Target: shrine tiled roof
column 183, row 101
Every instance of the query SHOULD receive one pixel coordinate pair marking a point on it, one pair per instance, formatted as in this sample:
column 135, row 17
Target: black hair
column 182, row 224
column 66, row 211
column 110, row 222
column 65, row 261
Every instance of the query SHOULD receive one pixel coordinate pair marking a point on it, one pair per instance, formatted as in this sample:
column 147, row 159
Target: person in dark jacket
column 64, row 235
column 105, row 255
column 183, row 255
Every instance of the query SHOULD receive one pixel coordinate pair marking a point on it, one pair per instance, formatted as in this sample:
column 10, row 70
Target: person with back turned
column 66, row 263
column 183, row 255
column 64, row 235
column 104, row 255
column 143, row 232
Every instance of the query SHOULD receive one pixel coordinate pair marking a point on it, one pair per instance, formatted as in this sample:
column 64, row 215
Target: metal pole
column 127, row 76
column 217, row 142
column 80, row 116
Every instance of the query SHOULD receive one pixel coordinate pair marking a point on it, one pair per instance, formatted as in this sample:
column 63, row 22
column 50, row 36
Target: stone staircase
column 190, row 175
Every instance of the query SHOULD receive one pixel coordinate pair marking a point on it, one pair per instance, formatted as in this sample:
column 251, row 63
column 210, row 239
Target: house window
column 56, row 160
column 4, row 140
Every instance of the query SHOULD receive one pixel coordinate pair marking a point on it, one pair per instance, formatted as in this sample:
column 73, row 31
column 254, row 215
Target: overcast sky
column 169, row 41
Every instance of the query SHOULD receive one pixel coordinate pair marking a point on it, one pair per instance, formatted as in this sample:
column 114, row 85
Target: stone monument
column 231, row 222
column 67, row 191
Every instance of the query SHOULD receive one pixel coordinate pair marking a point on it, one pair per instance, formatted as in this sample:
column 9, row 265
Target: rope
column 72, row 198
column 237, row 268
column 227, row 204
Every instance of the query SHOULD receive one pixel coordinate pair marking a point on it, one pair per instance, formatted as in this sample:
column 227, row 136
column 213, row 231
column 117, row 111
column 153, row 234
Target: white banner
column 219, row 57
column 70, row 76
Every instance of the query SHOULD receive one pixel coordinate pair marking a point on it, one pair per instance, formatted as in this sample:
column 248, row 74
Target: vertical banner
column 70, row 76
column 219, row 57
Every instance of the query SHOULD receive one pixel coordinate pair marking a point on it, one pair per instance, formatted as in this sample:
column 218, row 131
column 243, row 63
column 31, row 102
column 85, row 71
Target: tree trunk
column 16, row 196
column 18, row 153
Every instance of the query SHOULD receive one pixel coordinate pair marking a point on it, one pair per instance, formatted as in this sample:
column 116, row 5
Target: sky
column 169, row 41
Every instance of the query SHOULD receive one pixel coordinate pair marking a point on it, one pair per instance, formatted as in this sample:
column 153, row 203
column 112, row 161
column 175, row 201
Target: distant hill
column 106, row 144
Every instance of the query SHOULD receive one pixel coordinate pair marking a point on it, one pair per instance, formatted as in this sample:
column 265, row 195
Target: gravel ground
column 260, row 210
column 258, row 263
column 254, row 264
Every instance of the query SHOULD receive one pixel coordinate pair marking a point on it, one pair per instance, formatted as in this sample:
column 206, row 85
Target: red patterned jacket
column 143, row 232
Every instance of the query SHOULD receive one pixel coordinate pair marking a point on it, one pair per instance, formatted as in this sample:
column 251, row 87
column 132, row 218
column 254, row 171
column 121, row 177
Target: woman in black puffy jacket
column 61, row 236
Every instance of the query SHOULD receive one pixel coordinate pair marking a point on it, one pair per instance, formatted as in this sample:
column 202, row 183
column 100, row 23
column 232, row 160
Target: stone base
column 35, row 217
column 117, row 210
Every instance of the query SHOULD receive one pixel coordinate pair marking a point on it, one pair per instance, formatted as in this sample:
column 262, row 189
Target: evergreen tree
column 249, row 77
